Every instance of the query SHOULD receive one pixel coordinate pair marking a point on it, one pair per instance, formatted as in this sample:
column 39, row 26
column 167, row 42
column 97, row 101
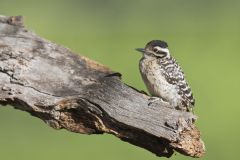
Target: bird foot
column 152, row 100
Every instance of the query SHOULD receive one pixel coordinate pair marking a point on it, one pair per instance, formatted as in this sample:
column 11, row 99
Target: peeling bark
column 72, row 92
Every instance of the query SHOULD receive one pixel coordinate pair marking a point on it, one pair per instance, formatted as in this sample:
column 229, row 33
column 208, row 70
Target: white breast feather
column 157, row 84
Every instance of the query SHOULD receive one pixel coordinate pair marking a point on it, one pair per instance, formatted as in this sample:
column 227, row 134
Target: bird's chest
column 152, row 74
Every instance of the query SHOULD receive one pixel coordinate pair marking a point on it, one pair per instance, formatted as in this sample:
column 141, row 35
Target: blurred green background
column 203, row 36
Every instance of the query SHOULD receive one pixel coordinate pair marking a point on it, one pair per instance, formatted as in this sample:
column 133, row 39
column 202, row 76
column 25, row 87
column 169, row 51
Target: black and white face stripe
column 160, row 52
column 159, row 49
column 156, row 48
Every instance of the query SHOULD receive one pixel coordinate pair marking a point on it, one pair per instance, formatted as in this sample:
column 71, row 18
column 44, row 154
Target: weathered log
column 78, row 94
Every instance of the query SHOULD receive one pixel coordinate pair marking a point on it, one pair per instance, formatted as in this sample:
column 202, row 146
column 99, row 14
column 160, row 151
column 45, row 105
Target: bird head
column 155, row 48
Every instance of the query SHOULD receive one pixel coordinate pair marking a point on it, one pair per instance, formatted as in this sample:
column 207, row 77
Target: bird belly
column 158, row 86
column 161, row 88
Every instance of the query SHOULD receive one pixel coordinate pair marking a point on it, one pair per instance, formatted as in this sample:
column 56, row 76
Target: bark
column 72, row 92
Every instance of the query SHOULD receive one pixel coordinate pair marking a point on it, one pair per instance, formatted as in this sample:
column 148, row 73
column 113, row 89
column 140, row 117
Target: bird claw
column 152, row 100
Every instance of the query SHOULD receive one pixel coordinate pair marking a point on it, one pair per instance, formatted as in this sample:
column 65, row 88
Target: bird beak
column 140, row 50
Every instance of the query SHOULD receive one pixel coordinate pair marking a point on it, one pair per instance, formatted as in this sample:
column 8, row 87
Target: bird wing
column 175, row 75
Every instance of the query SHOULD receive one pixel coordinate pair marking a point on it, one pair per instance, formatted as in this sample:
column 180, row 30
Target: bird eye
column 159, row 52
column 155, row 50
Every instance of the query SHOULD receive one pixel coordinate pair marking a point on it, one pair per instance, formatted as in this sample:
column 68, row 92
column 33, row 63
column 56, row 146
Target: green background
column 203, row 36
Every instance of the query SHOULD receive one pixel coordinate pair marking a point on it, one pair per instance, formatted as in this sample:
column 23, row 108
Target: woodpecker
column 164, row 77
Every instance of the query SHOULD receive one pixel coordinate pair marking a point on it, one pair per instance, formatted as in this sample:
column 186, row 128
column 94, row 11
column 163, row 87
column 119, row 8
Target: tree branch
column 75, row 93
